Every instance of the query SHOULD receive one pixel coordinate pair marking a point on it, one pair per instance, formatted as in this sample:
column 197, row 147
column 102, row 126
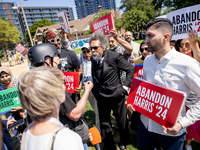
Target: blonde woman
column 41, row 92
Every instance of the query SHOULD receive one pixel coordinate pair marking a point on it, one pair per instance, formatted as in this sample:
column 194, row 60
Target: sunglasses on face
column 142, row 49
column 84, row 52
column 186, row 45
column 53, row 40
column 95, row 48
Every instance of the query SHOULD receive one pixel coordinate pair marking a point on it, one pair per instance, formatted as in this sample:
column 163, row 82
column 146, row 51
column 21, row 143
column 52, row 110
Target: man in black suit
column 108, row 89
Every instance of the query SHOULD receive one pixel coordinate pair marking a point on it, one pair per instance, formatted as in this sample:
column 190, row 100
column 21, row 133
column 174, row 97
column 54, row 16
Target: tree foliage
column 137, row 13
column 33, row 28
column 9, row 34
column 173, row 4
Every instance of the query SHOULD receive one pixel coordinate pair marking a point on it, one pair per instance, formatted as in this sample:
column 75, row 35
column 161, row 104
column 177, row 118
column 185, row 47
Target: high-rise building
column 34, row 14
column 87, row 7
column 10, row 13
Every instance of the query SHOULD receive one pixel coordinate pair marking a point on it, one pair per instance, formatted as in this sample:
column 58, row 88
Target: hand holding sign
column 173, row 130
column 193, row 37
column 113, row 32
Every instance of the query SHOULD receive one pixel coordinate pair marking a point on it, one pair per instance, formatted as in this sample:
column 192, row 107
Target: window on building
column 46, row 15
column 78, row 34
column 36, row 10
column 55, row 18
column 82, row 34
column 64, row 9
column 30, row 24
column 38, row 19
column 55, row 10
column 27, row 11
column 48, row 18
column 37, row 15
column 54, row 14
column 28, row 15
column 2, row 6
column 57, row 21
column 46, row 10
column 74, row 35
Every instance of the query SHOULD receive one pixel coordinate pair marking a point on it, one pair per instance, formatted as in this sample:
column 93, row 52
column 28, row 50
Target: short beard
column 97, row 57
column 114, row 48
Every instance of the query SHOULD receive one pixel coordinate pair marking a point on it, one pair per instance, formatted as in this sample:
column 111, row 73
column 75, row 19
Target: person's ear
column 166, row 37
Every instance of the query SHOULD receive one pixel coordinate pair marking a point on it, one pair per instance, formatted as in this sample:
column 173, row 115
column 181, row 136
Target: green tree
column 172, row 4
column 8, row 34
column 137, row 14
column 33, row 28
column 134, row 20
column 101, row 14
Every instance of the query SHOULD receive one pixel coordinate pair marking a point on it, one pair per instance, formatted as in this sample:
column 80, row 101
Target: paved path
column 17, row 70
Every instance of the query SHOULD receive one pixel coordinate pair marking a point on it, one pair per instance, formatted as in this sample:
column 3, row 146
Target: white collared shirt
column 176, row 71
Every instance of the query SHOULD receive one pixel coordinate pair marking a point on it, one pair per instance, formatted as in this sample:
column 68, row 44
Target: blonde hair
column 41, row 90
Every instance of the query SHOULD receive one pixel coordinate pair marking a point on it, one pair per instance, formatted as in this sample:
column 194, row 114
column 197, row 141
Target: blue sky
column 69, row 3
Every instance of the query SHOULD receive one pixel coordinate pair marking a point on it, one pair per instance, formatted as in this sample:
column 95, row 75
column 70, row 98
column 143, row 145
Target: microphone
column 95, row 137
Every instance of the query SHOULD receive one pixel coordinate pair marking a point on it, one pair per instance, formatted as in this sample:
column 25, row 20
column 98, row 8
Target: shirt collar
column 169, row 55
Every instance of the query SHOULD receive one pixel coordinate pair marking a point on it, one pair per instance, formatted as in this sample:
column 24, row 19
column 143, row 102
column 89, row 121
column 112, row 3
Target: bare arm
column 127, row 46
column 193, row 38
column 76, row 113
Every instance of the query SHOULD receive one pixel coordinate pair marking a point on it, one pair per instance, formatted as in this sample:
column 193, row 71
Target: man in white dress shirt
column 174, row 70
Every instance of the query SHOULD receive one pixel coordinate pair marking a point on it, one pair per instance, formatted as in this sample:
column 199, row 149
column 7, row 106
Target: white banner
column 184, row 20
column 64, row 22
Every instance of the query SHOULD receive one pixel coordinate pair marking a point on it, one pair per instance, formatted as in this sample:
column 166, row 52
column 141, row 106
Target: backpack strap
column 52, row 138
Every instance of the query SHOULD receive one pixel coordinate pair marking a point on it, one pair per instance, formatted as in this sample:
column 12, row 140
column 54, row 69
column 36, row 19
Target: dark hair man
column 108, row 90
column 174, row 70
column 68, row 58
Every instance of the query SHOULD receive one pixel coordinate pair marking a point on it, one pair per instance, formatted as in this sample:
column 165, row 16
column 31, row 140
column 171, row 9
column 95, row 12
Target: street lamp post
column 26, row 23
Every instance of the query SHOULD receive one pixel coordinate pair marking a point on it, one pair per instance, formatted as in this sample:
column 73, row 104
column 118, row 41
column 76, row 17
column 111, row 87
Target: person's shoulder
column 66, row 133
column 136, row 43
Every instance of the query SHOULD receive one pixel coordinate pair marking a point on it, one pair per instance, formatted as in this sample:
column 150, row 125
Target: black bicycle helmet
column 37, row 53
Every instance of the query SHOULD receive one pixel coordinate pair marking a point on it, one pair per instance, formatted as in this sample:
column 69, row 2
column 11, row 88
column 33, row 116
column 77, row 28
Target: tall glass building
column 34, row 14
column 87, row 7
column 10, row 13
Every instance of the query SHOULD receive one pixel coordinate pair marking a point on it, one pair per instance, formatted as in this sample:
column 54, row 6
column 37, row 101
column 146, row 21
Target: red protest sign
column 71, row 81
column 20, row 48
column 158, row 103
column 103, row 24
column 138, row 71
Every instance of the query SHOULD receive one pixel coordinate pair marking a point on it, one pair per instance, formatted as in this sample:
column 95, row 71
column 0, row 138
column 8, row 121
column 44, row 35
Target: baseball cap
column 86, row 45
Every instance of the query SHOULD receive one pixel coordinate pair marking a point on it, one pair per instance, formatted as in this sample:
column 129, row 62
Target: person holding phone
column 41, row 98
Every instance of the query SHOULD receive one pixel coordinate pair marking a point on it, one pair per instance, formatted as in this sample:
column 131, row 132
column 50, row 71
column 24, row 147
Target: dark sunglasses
column 142, row 49
column 53, row 40
column 84, row 52
column 95, row 48
column 186, row 45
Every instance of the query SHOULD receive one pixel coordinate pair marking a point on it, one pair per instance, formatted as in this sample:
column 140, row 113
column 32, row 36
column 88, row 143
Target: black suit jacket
column 109, row 85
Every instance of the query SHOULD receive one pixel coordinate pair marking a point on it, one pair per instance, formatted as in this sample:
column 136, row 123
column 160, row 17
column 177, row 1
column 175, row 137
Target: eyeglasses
column 84, row 52
column 53, row 40
column 142, row 49
column 95, row 48
column 186, row 45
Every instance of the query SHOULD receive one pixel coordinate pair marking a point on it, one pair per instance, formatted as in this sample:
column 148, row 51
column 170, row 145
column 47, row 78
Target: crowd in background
column 106, row 77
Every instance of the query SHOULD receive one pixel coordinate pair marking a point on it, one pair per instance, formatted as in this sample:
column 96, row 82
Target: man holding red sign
column 170, row 69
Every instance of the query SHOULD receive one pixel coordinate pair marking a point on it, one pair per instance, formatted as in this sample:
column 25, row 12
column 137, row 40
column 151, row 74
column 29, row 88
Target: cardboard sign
column 103, row 24
column 158, row 103
column 71, row 81
column 184, row 20
column 21, row 49
column 9, row 98
column 64, row 22
column 138, row 71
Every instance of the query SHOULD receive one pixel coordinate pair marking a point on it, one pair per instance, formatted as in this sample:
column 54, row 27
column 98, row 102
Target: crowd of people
column 14, row 57
column 54, row 117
